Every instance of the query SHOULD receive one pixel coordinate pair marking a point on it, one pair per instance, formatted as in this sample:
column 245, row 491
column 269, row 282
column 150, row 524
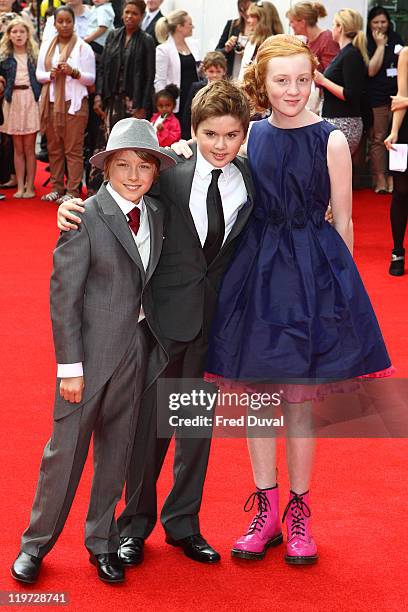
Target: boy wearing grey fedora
column 99, row 282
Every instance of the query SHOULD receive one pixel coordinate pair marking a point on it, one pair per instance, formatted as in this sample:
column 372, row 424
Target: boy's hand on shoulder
column 71, row 389
column 181, row 148
column 66, row 219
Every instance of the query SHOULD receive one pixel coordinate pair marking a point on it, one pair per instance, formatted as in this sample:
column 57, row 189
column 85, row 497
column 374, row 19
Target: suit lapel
column 113, row 217
column 156, row 234
column 183, row 185
column 150, row 28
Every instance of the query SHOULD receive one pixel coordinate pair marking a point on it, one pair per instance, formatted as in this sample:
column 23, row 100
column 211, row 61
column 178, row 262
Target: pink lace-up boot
column 301, row 547
column 264, row 530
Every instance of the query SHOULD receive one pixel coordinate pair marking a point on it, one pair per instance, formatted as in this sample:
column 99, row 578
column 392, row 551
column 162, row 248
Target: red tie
column 134, row 219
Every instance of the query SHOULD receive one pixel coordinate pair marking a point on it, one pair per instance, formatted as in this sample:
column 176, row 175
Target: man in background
column 151, row 17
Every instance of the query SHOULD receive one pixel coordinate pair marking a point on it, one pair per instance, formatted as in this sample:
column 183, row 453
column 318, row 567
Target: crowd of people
column 197, row 281
column 113, row 60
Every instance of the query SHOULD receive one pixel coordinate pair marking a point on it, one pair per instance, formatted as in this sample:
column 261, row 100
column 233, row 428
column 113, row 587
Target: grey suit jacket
column 97, row 286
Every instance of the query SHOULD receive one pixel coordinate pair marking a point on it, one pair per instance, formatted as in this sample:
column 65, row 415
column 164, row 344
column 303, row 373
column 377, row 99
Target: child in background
column 101, row 18
column 18, row 58
column 164, row 121
column 214, row 67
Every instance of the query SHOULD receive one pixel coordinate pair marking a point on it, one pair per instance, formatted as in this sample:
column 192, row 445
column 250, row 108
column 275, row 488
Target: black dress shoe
column 397, row 263
column 196, row 548
column 42, row 155
column 131, row 551
column 110, row 568
column 26, row 568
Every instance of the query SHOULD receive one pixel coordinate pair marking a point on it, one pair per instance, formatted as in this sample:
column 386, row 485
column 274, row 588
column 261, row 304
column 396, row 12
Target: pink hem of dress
column 298, row 393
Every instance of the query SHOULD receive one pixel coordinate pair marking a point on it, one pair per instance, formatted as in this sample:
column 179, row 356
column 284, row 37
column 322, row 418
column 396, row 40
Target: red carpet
column 359, row 486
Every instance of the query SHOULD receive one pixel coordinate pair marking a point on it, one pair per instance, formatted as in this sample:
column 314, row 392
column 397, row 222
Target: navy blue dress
column 292, row 304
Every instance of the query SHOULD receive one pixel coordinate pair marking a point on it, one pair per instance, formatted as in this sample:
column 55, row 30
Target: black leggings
column 6, row 157
column 399, row 209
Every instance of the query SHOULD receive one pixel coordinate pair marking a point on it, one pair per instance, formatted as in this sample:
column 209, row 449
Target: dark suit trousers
column 111, row 416
column 179, row 515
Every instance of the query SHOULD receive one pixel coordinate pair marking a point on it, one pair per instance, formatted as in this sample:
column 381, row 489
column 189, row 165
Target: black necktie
column 134, row 219
column 215, row 215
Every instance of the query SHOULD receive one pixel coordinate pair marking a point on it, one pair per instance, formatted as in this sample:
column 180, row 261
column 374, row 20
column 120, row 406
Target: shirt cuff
column 69, row 370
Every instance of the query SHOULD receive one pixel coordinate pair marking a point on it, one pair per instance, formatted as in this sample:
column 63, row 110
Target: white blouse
column 83, row 59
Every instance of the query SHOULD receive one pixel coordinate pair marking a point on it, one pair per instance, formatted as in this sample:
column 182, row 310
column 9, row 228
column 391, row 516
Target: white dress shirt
column 83, row 59
column 142, row 240
column 232, row 190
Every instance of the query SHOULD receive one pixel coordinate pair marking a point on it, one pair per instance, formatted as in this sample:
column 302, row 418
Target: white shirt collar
column 153, row 14
column 125, row 205
column 204, row 168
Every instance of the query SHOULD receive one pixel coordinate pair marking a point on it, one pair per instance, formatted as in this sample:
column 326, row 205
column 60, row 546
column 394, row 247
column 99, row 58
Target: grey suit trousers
column 111, row 416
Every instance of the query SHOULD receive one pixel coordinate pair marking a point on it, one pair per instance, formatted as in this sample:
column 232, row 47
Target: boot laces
column 299, row 511
column 259, row 519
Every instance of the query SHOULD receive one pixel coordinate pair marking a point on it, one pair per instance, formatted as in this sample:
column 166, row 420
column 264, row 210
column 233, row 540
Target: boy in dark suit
column 208, row 200
column 100, row 278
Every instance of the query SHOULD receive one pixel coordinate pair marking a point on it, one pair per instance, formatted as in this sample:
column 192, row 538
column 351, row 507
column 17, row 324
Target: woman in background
column 303, row 18
column 124, row 83
column 234, row 38
column 66, row 68
column 383, row 45
column 263, row 19
column 176, row 60
column 344, row 79
column 399, row 133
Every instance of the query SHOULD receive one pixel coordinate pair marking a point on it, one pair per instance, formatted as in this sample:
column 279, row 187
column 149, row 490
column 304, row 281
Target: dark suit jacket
column 150, row 28
column 184, row 287
column 97, row 286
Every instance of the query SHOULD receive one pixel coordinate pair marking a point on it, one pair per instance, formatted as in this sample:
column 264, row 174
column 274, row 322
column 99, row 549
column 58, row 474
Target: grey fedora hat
column 137, row 134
